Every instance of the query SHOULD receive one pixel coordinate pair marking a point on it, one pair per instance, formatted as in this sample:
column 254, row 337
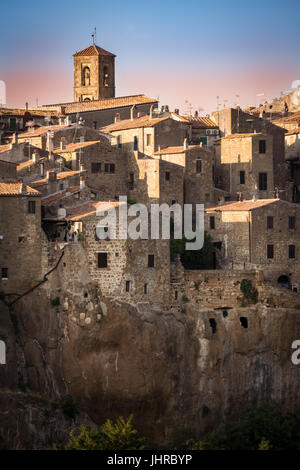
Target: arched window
column 86, row 79
column 105, row 76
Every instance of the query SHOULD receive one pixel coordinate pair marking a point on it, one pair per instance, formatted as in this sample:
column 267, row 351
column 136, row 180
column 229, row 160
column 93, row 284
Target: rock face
column 185, row 369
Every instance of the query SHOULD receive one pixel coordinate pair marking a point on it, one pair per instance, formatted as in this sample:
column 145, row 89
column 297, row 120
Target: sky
column 184, row 52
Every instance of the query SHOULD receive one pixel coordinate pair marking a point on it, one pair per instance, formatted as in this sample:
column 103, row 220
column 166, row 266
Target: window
column 95, row 124
column 127, row 286
column 145, row 288
column 167, row 176
column 270, row 251
column 148, row 139
column 131, row 181
column 242, row 177
column 95, row 167
column 4, row 272
column 135, row 143
column 105, row 76
column 119, row 141
column 150, row 261
column 262, row 146
column 102, row 260
column 292, row 222
column 270, row 222
column 174, row 201
column 61, row 186
column 86, row 81
column 31, row 207
column 109, row 167
column 212, row 225
column 198, row 166
column 263, row 181
column 292, row 251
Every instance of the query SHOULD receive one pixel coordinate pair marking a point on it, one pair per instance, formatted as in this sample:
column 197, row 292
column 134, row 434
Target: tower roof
column 93, row 50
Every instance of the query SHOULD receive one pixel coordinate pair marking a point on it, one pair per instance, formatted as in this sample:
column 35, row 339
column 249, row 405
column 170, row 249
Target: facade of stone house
column 8, row 171
column 261, row 233
column 143, row 136
column 197, row 164
column 50, row 137
column 235, row 121
column 58, row 181
column 20, row 237
column 106, row 166
column 132, row 270
column 244, row 165
column 204, row 130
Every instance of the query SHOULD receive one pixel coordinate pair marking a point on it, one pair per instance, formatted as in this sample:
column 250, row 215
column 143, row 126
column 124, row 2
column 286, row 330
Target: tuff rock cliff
column 168, row 369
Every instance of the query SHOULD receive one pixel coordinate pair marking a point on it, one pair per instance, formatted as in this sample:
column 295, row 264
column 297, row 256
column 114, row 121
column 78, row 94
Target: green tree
column 120, row 435
column 193, row 259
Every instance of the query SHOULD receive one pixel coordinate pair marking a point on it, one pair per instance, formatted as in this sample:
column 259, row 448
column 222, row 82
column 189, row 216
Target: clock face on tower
column 94, row 74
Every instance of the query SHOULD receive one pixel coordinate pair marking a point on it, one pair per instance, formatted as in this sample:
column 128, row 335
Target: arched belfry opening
column 105, row 76
column 86, row 76
column 284, row 281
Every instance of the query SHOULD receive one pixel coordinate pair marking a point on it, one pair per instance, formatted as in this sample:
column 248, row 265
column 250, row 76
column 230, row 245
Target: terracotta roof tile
column 17, row 189
column 241, row 136
column 241, row 206
column 93, row 50
column 106, row 103
column 87, row 209
column 76, row 146
column 59, row 176
column 42, row 130
column 294, row 131
column 46, row 200
column 179, row 149
column 143, row 121
column 28, row 163
column 33, row 112
column 4, row 148
column 202, row 122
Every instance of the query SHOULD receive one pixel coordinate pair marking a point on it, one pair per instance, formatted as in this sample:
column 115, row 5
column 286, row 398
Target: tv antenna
column 94, row 35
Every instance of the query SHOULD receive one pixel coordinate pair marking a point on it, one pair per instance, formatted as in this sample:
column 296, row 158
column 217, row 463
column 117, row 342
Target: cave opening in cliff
column 213, row 325
column 284, row 281
column 244, row 322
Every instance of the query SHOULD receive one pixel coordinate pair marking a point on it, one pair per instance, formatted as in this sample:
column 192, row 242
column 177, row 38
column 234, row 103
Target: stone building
column 94, row 74
column 7, row 171
column 145, row 135
column 204, row 130
column 244, row 165
column 235, row 121
column 258, row 234
column 20, row 119
column 132, row 270
column 106, row 166
column 50, row 137
column 197, row 164
column 55, row 181
column 290, row 122
column 20, row 237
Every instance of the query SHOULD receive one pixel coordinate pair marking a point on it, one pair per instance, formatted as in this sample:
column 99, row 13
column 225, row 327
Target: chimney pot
column 185, row 144
column 51, row 175
column 151, row 112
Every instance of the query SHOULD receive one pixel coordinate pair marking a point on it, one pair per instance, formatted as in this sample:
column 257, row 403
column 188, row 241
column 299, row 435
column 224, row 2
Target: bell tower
column 94, row 74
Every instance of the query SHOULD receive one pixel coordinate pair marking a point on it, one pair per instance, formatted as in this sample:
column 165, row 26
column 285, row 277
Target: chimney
column 117, row 117
column 151, row 112
column 26, row 106
column 201, row 144
column 196, row 114
column 185, row 144
column 15, row 138
column 82, row 138
column 132, row 109
column 23, row 188
column 62, row 143
column 51, row 175
column 176, row 111
column 35, row 156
